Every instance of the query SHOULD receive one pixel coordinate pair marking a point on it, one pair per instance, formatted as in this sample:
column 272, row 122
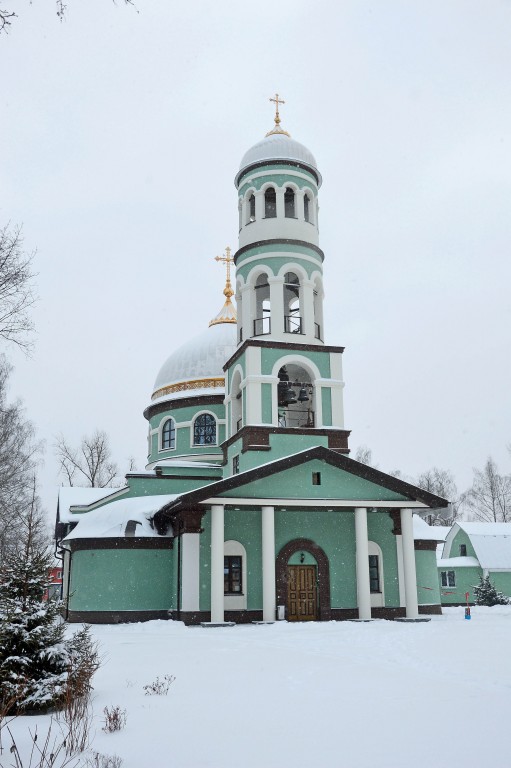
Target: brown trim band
column 287, row 345
column 128, row 542
column 185, row 402
column 115, row 617
column 258, row 438
column 426, row 544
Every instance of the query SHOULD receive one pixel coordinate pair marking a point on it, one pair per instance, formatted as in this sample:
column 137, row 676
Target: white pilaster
column 307, row 310
column 217, row 563
column 409, row 573
column 190, row 551
column 362, row 560
column 280, row 202
column 277, row 306
column 247, row 308
column 259, row 205
column 269, row 586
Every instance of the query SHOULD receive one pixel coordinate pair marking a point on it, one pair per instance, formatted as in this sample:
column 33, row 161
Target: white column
column 362, row 559
column 277, row 306
column 217, row 563
column 190, row 550
column 247, row 308
column 259, row 205
column 307, row 309
column 269, row 587
column 410, row 576
column 280, row 202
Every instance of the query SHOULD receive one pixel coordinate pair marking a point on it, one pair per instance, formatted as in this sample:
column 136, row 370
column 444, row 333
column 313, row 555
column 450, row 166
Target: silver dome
column 278, row 146
column 201, row 357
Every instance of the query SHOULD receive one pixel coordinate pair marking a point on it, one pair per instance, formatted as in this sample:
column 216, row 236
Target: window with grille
column 204, row 430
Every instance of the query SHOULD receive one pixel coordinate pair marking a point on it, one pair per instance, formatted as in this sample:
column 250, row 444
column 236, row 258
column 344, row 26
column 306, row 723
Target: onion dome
column 278, row 146
column 198, row 364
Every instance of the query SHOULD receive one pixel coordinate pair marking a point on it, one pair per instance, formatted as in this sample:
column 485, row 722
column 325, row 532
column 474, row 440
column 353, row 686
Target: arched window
column 251, row 208
column 262, row 320
column 204, row 430
column 270, row 203
column 292, row 318
column 168, row 435
column 306, row 212
column 289, row 203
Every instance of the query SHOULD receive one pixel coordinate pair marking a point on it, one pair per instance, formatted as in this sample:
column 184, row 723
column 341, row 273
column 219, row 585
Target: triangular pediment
column 317, row 473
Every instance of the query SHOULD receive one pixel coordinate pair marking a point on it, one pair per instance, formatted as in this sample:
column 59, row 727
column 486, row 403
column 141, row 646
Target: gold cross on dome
column 277, row 100
column 227, row 259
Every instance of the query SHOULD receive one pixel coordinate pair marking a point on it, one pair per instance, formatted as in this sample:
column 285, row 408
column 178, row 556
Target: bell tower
column 283, row 384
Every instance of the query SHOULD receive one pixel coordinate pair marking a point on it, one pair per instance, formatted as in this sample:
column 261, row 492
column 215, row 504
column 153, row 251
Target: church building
column 250, row 508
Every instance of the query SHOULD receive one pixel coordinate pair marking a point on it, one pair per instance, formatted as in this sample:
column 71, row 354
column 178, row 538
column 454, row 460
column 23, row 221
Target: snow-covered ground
column 343, row 695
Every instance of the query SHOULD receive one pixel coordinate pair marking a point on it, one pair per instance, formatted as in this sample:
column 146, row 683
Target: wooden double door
column 302, row 593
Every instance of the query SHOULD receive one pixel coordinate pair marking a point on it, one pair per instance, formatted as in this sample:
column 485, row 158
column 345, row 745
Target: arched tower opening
column 296, row 397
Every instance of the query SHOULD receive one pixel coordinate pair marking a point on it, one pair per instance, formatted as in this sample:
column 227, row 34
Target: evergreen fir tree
column 33, row 654
column 486, row 593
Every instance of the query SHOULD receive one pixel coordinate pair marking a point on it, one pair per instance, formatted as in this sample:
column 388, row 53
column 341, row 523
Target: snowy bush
column 486, row 593
column 97, row 760
column 159, row 687
column 115, row 719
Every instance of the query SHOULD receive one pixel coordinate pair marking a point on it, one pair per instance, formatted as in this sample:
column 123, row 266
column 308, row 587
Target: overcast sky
column 122, row 133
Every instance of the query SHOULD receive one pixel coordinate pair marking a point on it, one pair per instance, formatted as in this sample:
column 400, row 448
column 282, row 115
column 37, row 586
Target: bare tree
column 441, row 482
column 489, row 499
column 19, row 457
column 61, row 8
column 364, row 455
column 16, row 290
column 91, row 463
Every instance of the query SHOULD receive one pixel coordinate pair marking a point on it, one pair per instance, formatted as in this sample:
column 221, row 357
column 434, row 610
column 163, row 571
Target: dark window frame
column 463, row 550
column 233, row 575
column 270, row 203
column 236, row 464
column 374, row 574
column 316, row 478
column 289, row 203
column 448, row 578
column 168, row 435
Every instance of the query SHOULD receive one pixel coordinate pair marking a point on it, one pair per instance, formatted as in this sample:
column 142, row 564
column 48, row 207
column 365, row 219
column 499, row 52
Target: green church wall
column 296, row 482
column 248, row 182
column 281, row 445
column 266, row 397
column 466, row 578
column 428, row 591
column 334, row 532
column 270, row 356
column 184, row 434
column 239, row 525
column 326, row 400
column 267, row 256
column 121, row 580
column 379, row 530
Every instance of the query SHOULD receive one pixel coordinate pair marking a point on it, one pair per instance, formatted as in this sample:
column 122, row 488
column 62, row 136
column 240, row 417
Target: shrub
column 97, row 760
column 159, row 687
column 486, row 593
column 115, row 719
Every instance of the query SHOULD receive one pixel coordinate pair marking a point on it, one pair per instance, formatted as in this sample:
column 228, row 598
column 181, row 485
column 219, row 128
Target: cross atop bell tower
column 276, row 128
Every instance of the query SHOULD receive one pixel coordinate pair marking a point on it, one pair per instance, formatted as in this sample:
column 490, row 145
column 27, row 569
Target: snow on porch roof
column 72, row 496
column 110, row 520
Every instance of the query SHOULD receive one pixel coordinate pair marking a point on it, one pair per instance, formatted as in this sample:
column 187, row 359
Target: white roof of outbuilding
column 278, row 146
column 110, row 520
column 200, row 358
column 491, row 542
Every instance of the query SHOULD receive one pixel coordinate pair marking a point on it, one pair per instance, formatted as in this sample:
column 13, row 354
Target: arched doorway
column 312, row 603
